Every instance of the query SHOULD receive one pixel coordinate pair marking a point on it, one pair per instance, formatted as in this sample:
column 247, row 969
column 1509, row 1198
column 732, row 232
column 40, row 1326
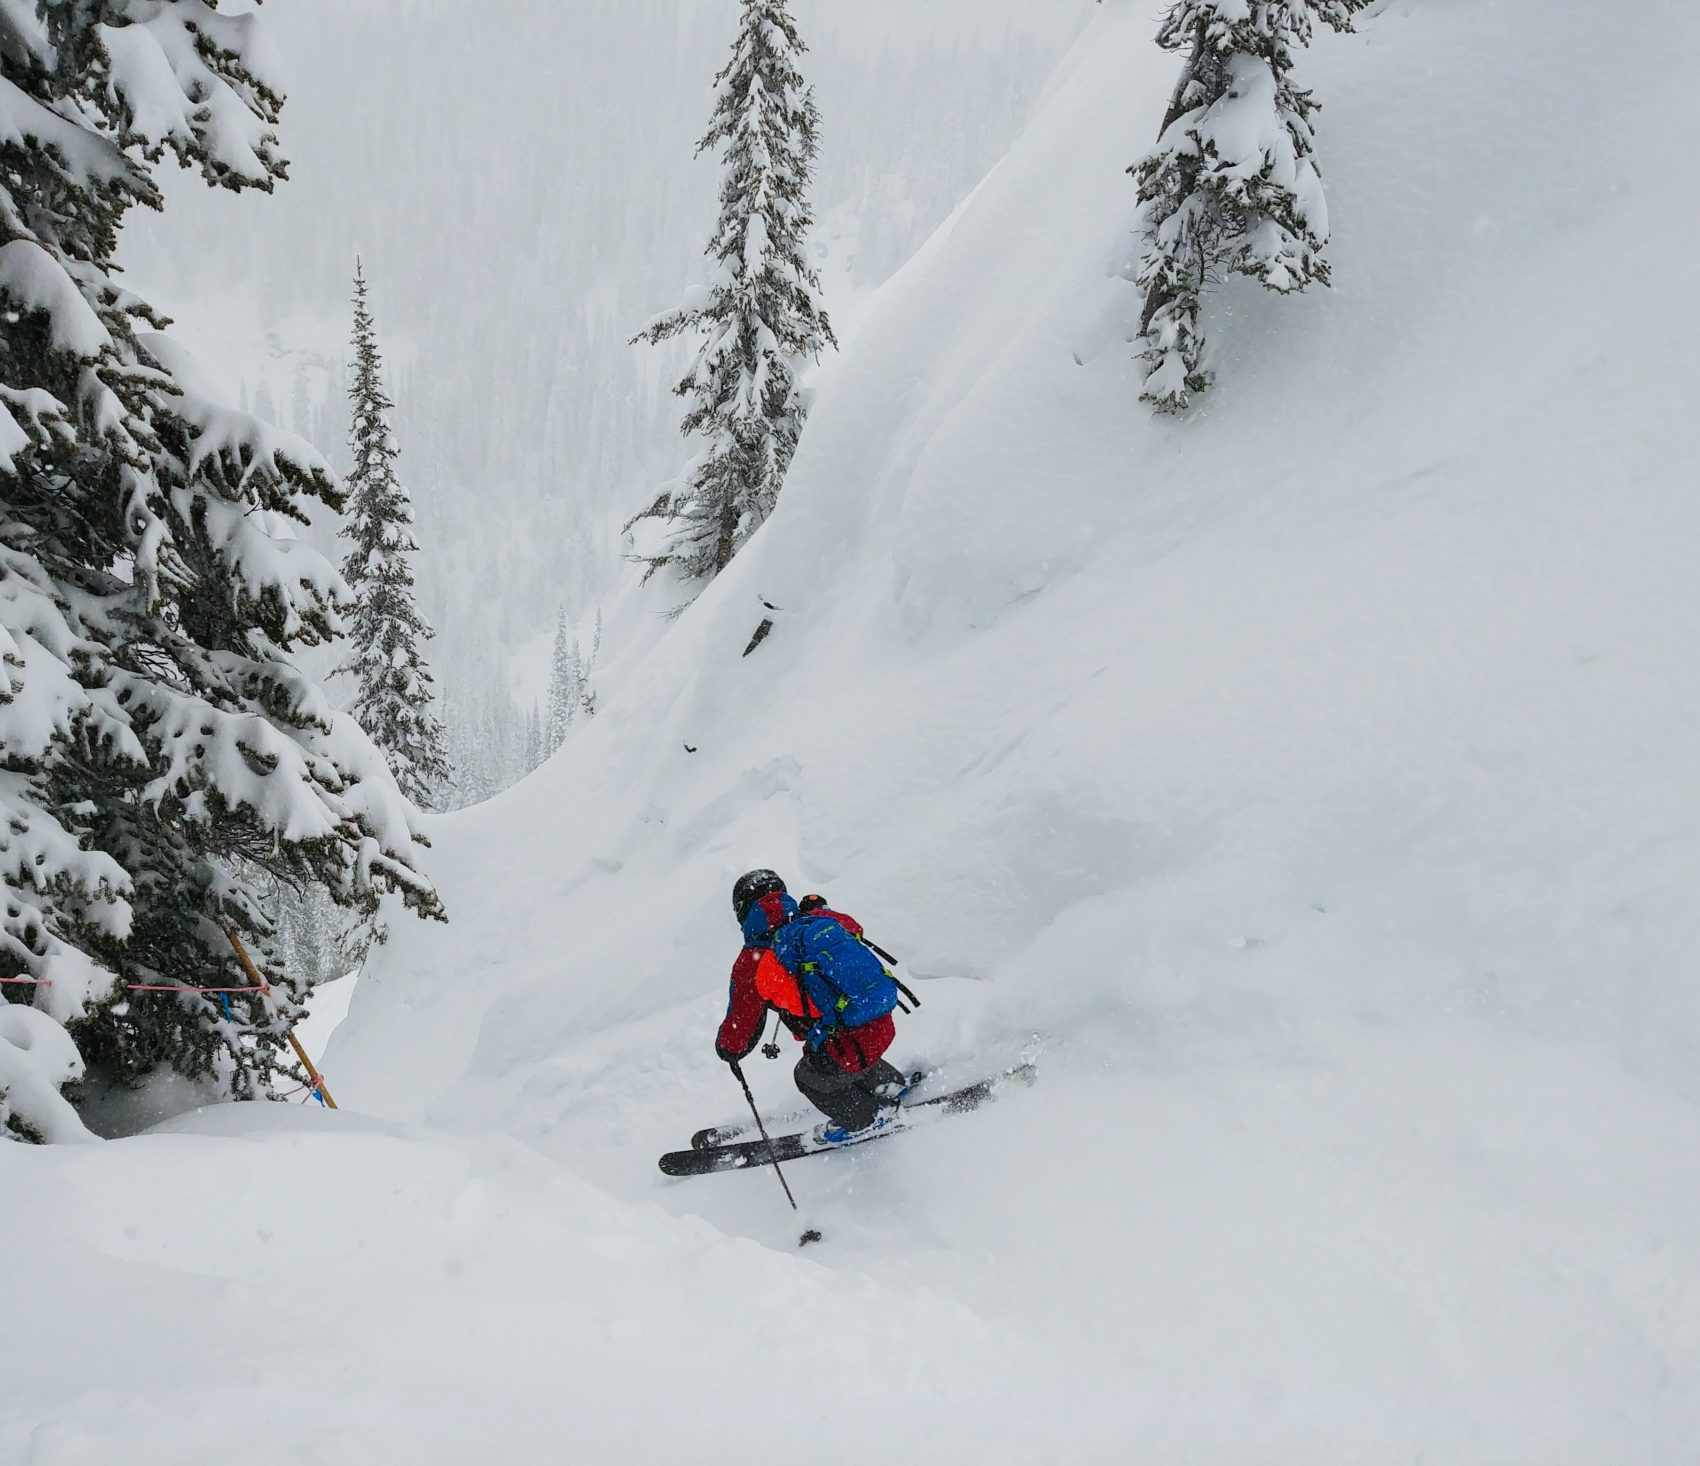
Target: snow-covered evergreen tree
column 565, row 684
column 392, row 700
column 1232, row 186
column 303, row 415
column 163, row 759
column 760, row 317
column 536, row 739
column 265, row 405
column 471, row 783
column 308, row 932
column 587, row 689
column 503, row 734
column 493, row 742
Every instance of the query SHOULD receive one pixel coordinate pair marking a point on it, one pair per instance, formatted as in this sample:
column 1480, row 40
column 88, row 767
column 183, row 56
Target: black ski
column 741, row 1155
column 716, row 1135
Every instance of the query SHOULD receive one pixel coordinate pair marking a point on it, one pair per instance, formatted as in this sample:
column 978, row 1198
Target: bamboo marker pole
column 294, row 1043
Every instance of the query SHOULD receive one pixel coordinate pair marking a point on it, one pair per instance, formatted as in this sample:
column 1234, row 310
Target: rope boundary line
column 139, row 987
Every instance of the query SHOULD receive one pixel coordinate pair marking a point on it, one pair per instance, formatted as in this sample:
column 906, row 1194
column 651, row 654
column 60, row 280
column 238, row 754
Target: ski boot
column 831, row 1134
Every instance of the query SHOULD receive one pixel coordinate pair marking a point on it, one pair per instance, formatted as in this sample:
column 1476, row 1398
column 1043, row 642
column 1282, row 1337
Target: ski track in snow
column 1314, row 776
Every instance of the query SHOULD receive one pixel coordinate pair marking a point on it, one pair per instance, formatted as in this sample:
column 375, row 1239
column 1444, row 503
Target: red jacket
column 760, row 982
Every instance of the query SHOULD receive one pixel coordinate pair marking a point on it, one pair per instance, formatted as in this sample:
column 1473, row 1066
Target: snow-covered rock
column 37, row 1058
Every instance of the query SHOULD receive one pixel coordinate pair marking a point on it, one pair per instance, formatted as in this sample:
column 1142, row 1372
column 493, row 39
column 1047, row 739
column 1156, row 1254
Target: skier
column 800, row 962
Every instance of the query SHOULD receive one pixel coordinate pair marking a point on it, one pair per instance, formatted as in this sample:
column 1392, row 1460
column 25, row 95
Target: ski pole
column 886, row 957
column 766, row 1138
column 811, row 1235
column 879, row 951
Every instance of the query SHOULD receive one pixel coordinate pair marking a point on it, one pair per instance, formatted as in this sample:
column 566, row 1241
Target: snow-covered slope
column 1312, row 779
column 1316, row 776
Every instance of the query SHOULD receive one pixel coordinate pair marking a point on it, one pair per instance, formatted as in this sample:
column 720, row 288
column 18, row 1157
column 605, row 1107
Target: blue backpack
column 838, row 974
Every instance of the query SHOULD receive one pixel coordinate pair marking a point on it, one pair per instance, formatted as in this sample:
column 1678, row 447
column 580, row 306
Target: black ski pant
column 850, row 1100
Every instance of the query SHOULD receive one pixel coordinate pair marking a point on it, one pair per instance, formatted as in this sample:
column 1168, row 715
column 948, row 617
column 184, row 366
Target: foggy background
column 523, row 205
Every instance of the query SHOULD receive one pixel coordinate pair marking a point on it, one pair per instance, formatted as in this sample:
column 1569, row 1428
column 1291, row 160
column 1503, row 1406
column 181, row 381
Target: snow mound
column 386, row 1294
column 37, row 1059
column 326, row 1009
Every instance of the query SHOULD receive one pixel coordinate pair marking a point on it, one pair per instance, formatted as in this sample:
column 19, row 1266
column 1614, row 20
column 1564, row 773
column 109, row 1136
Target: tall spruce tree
column 760, row 316
column 392, row 699
column 536, row 739
column 492, row 741
column 1232, row 187
column 565, row 684
column 163, row 758
column 587, row 664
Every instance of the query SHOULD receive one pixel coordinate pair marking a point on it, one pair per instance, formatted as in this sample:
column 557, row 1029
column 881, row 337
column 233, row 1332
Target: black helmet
column 750, row 888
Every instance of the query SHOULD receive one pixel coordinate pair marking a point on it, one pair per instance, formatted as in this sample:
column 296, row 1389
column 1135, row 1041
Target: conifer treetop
column 393, row 684
column 566, row 676
column 759, row 316
column 1232, row 186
